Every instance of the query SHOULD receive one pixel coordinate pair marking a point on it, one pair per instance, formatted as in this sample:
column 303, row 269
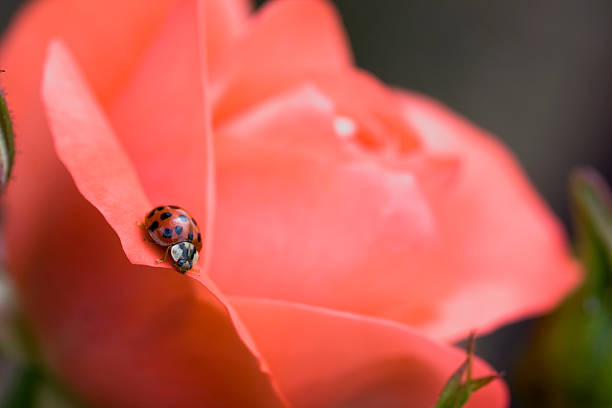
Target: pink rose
column 350, row 230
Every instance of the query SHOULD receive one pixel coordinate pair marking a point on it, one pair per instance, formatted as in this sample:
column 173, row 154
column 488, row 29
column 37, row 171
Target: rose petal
column 314, row 41
column 299, row 220
column 284, row 41
column 85, row 142
column 305, row 100
column 107, row 36
column 324, row 358
column 122, row 335
column 505, row 248
column 162, row 119
column 438, row 287
column 108, row 46
column 374, row 108
column 87, row 146
column 188, row 26
column 225, row 21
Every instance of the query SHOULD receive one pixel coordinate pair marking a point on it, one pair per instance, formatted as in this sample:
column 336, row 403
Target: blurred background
column 536, row 74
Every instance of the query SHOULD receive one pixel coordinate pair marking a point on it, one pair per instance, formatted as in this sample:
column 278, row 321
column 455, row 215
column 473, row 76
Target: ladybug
column 173, row 228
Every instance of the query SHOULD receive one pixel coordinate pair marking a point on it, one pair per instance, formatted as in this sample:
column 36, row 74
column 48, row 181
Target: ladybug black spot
column 151, row 213
column 175, row 207
column 199, row 237
column 182, row 218
column 159, row 208
column 167, row 233
column 153, row 226
column 178, row 229
column 165, row 215
column 190, row 236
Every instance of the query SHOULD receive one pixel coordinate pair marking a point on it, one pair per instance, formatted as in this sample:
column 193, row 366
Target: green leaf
column 568, row 363
column 7, row 142
column 31, row 387
column 461, row 385
column 21, row 390
column 592, row 213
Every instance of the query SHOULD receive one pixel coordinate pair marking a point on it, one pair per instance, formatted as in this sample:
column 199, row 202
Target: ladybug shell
column 169, row 225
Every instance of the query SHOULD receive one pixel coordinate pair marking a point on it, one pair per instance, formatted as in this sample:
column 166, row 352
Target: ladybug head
column 184, row 255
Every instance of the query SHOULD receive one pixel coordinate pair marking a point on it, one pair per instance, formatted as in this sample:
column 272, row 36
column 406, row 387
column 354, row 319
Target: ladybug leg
column 165, row 256
column 140, row 225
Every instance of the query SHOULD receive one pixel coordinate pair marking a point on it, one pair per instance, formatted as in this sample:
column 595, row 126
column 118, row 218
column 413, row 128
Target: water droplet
column 345, row 127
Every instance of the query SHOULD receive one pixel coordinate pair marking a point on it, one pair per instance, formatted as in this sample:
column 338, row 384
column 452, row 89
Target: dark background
column 538, row 74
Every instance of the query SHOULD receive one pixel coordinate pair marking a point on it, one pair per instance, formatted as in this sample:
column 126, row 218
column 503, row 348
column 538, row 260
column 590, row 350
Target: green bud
column 569, row 359
column 461, row 385
column 7, row 142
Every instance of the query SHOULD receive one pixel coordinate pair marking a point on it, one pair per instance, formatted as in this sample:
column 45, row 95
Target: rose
column 345, row 213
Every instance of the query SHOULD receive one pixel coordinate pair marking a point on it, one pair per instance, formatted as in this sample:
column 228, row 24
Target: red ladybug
column 172, row 227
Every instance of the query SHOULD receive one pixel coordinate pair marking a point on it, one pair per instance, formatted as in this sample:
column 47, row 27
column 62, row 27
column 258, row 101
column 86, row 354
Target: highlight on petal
column 302, row 218
column 324, row 358
column 87, row 146
column 508, row 255
column 306, row 103
column 374, row 107
column 284, row 41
